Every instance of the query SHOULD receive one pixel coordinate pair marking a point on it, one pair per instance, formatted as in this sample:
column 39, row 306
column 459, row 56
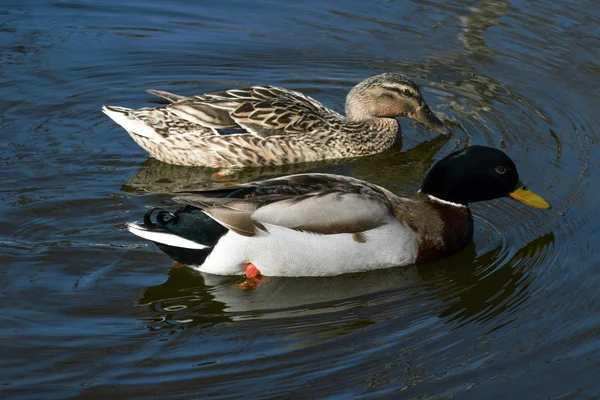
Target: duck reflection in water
column 464, row 288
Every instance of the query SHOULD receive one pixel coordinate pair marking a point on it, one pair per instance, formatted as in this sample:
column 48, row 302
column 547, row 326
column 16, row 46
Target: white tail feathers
column 124, row 117
column 170, row 239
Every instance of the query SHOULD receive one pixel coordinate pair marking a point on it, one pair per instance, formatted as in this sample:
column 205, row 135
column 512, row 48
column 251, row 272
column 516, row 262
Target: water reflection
column 203, row 297
column 486, row 14
column 494, row 286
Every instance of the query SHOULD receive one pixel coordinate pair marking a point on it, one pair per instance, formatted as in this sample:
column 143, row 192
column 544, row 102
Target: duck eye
column 405, row 92
column 500, row 169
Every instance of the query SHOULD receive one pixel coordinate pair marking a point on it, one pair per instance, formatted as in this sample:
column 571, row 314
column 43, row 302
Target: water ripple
column 89, row 311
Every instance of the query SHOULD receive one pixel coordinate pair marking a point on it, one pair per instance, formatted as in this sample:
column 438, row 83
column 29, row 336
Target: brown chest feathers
column 443, row 229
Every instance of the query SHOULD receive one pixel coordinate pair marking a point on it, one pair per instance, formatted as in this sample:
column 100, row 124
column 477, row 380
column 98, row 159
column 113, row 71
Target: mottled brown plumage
column 273, row 125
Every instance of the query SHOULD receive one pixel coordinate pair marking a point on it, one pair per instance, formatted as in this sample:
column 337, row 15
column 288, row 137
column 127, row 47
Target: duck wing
column 317, row 203
column 260, row 110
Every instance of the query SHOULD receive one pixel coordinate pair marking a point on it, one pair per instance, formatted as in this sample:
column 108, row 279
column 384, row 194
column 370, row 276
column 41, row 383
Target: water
column 90, row 311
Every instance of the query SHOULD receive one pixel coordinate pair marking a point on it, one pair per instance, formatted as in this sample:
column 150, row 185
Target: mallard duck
column 271, row 125
column 322, row 224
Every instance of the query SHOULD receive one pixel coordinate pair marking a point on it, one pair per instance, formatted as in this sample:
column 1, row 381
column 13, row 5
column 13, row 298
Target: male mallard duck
column 278, row 126
column 321, row 224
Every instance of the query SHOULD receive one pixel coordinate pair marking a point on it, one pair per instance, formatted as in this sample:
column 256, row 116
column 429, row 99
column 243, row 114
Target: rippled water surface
column 90, row 311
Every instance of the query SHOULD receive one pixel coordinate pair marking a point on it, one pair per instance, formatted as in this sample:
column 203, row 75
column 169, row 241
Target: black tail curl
column 163, row 217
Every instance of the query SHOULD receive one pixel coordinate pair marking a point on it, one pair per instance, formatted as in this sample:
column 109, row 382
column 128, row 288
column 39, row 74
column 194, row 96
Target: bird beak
column 424, row 115
column 524, row 195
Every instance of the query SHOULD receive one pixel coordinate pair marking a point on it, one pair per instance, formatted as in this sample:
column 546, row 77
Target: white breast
column 281, row 251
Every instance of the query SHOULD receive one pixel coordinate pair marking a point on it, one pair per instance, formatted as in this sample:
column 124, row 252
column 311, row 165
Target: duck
column 317, row 224
column 269, row 125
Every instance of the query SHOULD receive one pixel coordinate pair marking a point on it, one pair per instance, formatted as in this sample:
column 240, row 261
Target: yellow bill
column 524, row 195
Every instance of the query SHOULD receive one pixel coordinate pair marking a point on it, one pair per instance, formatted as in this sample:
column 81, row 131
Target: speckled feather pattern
column 242, row 150
column 281, row 126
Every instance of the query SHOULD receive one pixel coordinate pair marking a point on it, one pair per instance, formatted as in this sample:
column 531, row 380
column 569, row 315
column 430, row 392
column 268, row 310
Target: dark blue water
column 90, row 311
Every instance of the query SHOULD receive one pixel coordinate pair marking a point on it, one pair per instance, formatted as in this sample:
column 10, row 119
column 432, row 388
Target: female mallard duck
column 321, row 224
column 278, row 126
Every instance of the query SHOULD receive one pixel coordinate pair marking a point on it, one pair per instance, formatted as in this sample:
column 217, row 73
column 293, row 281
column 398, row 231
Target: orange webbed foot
column 253, row 278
